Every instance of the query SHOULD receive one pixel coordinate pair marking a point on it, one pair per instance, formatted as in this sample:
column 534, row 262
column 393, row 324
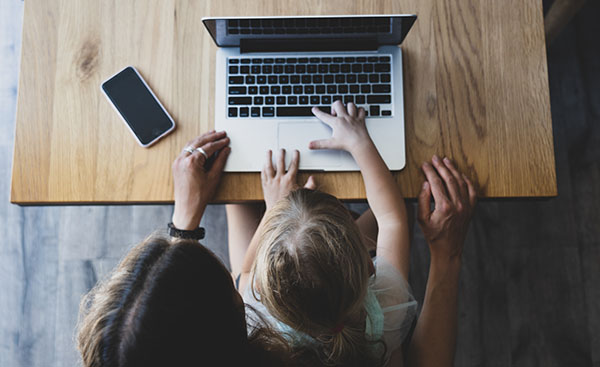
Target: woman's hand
column 446, row 226
column 276, row 183
column 194, row 184
column 349, row 129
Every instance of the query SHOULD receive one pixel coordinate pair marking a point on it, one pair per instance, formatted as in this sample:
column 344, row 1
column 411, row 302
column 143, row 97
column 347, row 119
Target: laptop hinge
column 306, row 45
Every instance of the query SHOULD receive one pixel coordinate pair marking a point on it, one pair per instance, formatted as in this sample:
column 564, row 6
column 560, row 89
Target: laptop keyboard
column 285, row 87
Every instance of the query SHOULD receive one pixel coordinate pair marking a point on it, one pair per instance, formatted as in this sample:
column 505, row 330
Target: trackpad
column 294, row 135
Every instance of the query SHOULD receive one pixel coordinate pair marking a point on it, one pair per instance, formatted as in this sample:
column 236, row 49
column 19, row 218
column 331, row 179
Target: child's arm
column 350, row 134
column 276, row 184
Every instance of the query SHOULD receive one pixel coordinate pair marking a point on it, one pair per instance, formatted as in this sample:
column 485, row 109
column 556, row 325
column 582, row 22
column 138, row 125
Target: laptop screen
column 381, row 29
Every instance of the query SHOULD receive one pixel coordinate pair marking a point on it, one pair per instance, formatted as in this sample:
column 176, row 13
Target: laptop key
column 351, row 78
column 298, row 89
column 286, row 89
column 348, row 99
column 257, row 61
column 309, row 89
column 374, row 78
column 232, row 111
column 250, row 79
column 270, row 100
column 328, row 79
column 244, row 69
column 258, row 100
column 255, row 112
column 280, row 99
column 279, row 61
column 320, row 89
column 372, row 59
column 237, row 90
column 268, row 61
column 299, row 111
column 236, row 80
column 332, row 89
column 365, row 88
column 292, row 100
column 289, row 69
column 337, row 98
column 306, row 79
column 368, row 68
column 343, row 88
column 374, row 110
column 334, row 68
column 244, row 111
column 382, row 88
column 317, row 79
column 275, row 89
column 345, row 68
column 267, row 69
column 385, row 78
column 354, row 88
column 283, row 79
column 386, row 113
column 303, row 99
column 268, row 111
column 240, row 100
column 264, row 90
column 326, row 100
column 245, row 61
column 261, row 79
column 295, row 79
column 314, row 100
column 252, row 90
column 255, row 69
column 233, row 70
column 363, row 78
column 379, row 98
column 360, row 99
column 382, row 68
column 234, row 61
column 340, row 78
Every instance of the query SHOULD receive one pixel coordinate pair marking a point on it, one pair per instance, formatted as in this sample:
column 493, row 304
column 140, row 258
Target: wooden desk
column 476, row 90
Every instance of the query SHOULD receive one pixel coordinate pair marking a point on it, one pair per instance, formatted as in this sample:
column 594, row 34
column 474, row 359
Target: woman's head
column 167, row 303
column 312, row 272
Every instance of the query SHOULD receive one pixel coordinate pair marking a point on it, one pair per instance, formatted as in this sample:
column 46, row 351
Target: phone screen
column 137, row 105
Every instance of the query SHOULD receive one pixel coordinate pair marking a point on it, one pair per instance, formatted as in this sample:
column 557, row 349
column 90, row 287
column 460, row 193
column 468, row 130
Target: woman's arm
column 434, row 340
column 194, row 185
column 384, row 197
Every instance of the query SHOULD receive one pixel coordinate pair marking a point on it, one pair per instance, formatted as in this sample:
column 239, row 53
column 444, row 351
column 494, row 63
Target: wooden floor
column 530, row 286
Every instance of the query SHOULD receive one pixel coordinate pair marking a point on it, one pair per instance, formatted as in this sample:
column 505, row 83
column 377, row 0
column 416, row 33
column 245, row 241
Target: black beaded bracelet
column 196, row 234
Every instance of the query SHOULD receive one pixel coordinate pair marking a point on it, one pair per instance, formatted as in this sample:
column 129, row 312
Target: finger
column 449, row 180
column 281, row 162
column 217, row 168
column 333, row 112
column 310, row 183
column 361, row 113
column 472, row 191
column 339, row 108
column 464, row 191
column 352, row 109
column 207, row 137
column 268, row 167
column 424, row 208
column 211, row 147
column 323, row 116
column 320, row 144
column 435, row 182
column 293, row 168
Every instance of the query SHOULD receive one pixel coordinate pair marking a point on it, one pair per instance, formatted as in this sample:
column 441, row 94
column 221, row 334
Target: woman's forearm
column 434, row 340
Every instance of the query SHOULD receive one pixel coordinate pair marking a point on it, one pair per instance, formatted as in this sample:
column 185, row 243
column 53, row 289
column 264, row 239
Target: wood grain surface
column 476, row 90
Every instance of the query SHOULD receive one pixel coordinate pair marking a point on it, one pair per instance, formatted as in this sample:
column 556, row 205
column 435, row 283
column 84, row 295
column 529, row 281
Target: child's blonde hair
column 312, row 273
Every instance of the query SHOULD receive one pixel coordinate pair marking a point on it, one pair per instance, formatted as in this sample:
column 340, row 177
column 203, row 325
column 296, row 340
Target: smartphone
column 139, row 108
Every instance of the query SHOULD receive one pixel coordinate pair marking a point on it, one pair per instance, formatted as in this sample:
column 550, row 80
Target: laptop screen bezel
column 400, row 25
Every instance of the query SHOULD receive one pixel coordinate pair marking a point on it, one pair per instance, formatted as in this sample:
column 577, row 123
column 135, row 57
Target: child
column 313, row 277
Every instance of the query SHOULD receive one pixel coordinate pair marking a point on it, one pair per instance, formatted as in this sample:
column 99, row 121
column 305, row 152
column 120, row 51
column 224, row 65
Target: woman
column 172, row 301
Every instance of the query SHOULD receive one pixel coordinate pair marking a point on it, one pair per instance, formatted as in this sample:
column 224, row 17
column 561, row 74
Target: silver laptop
column 272, row 70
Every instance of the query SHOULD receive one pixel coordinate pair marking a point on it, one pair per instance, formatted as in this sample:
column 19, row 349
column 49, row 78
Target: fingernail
column 435, row 158
column 425, row 184
column 447, row 160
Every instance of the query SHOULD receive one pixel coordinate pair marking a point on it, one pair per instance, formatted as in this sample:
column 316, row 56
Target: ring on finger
column 203, row 152
column 188, row 149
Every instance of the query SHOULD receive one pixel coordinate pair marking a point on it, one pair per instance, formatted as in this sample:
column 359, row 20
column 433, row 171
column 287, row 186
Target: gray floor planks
column 529, row 285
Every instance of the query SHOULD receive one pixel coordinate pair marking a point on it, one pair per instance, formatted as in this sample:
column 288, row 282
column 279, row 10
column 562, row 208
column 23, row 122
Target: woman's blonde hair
column 312, row 272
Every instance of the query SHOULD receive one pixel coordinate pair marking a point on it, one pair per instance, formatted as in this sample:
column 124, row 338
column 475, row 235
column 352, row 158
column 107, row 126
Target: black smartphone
column 137, row 105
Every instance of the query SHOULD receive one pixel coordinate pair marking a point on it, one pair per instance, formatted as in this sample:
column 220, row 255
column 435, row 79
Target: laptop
column 272, row 70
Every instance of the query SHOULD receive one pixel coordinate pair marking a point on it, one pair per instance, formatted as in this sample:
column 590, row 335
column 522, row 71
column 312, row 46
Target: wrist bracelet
column 196, row 234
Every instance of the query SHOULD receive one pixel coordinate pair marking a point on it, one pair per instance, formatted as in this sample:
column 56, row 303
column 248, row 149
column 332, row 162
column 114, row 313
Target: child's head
column 312, row 273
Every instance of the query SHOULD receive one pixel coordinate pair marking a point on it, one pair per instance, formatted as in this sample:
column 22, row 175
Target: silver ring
column 189, row 150
column 202, row 151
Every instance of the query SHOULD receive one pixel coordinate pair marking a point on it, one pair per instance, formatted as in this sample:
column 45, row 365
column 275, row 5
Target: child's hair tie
column 339, row 327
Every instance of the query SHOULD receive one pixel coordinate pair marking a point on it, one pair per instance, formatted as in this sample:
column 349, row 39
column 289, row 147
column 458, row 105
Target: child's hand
column 349, row 129
column 277, row 184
